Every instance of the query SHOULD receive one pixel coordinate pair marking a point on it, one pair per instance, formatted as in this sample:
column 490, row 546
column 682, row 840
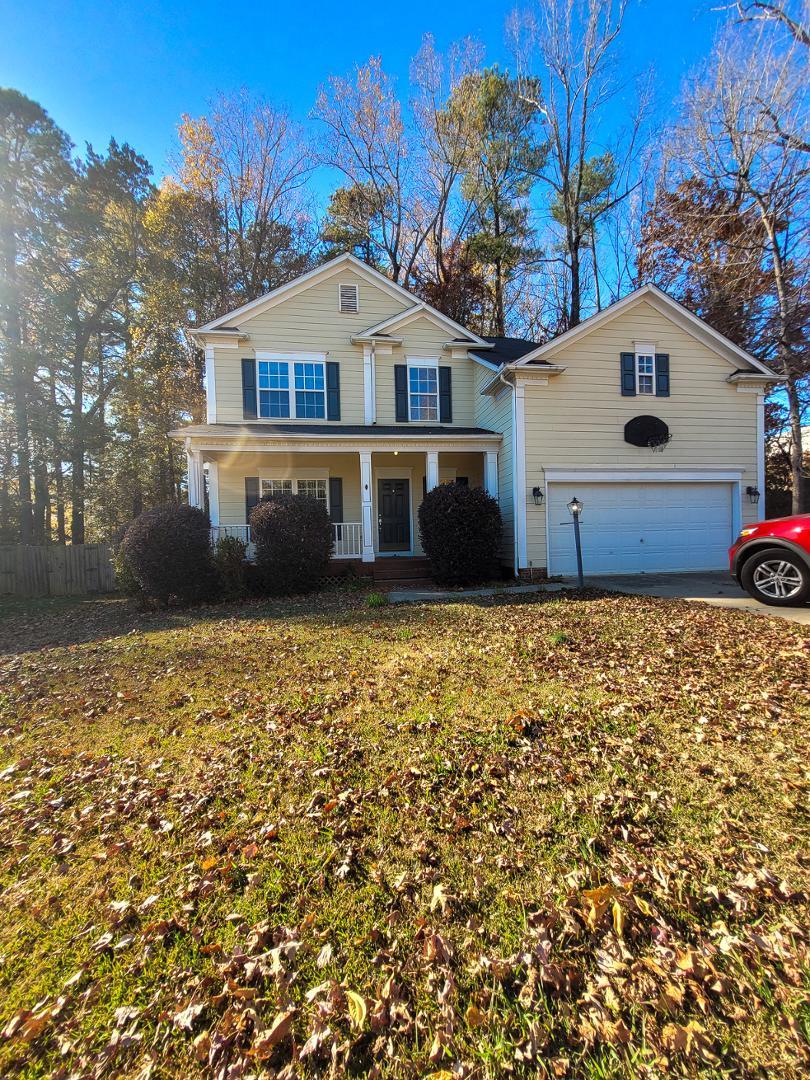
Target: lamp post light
column 575, row 509
column 753, row 494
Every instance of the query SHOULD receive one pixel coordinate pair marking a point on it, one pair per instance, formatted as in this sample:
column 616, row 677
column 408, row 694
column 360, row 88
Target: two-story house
column 346, row 387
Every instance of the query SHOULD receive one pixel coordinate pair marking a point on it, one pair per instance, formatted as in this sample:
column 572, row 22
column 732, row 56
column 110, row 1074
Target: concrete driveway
column 714, row 588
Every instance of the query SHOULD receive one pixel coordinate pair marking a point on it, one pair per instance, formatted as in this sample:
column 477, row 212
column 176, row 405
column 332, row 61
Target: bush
column 124, row 575
column 293, row 538
column 230, row 561
column 169, row 554
column 461, row 530
column 376, row 599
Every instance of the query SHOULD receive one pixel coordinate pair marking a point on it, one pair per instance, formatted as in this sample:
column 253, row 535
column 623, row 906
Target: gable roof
column 412, row 306
column 423, row 310
column 666, row 306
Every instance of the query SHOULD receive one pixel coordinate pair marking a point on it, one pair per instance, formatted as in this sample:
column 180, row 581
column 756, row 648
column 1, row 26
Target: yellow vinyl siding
column 308, row 322
column 495, row 414
column 423, row 339
column 577, row 420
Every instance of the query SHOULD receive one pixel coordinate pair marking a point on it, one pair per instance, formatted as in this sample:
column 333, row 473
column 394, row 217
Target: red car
column 771, row 560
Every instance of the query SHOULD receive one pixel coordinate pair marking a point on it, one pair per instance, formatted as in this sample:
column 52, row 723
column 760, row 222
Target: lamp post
column 575, row 509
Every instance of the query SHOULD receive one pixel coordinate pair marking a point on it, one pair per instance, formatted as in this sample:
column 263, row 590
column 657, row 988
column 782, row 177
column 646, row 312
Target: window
column 274, row 389
column 316, row 489
column 310, row 396
column 348, row 299
column 423, row 392
column 309, row 384
column 645, row 372
column 276, row 487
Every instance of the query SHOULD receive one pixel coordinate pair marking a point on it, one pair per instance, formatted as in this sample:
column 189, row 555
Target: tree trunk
column 796, row 470
column 77, row 464
column 575, row 307
column 19, row 385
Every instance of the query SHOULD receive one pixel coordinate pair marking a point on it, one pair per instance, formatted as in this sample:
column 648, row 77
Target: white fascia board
column 666, row 306
column 598, row 474
column 534, row 373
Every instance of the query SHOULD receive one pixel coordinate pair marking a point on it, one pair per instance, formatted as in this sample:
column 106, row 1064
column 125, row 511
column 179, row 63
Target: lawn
column 563, row 836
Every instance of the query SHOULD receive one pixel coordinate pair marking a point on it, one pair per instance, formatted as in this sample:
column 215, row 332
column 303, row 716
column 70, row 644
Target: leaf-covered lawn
column 560, row 836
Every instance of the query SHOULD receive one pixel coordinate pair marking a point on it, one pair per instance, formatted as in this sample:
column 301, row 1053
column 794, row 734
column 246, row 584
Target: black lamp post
column 575, row 509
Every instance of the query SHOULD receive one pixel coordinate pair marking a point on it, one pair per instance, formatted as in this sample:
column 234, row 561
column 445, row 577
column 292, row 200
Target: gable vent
column 348, row 299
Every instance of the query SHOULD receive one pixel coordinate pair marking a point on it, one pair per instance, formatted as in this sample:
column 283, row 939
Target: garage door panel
column 641, row 528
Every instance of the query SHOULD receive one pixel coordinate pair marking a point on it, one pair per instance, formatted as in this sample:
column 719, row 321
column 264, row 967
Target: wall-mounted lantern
column 753, row 494
column 538, row 495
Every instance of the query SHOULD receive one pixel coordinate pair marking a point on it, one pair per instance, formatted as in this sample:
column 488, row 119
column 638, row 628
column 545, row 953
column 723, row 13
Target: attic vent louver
column 348, row 299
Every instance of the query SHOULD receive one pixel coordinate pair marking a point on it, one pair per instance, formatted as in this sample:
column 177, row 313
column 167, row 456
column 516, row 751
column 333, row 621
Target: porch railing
column 347, row 538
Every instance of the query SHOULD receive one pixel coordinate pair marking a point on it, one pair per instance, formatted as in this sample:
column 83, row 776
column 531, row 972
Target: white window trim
column 290, row 358
column 644, row 348
column 426, row 362
column 350, row 285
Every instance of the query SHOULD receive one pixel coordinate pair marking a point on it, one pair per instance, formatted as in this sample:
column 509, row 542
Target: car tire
column 776, row 577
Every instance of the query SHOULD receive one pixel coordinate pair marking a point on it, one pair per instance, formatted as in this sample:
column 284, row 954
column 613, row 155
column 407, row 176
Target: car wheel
column 777, row 577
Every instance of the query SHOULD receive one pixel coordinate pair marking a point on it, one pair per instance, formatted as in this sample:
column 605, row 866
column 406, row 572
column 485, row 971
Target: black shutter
column 463, row 481
column 662, row 374
column 332, row 391
column 445, row 396
column 336, row 498
column 401, row 392
column 628, row 372
column 249, row 410
column 251, row 495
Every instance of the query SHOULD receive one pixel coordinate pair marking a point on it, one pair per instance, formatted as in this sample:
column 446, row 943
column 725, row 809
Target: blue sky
column 130, row 70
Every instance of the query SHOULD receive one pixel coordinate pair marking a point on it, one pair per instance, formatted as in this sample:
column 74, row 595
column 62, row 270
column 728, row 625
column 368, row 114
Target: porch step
column 402, row 570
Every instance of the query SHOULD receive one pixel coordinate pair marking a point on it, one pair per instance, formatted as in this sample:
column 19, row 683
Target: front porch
column 373, row 496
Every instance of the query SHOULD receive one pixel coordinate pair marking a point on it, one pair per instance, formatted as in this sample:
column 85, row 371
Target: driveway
column 715, row 588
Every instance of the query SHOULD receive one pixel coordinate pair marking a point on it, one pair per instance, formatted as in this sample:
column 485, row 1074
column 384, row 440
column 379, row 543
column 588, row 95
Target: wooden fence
column 55, row 569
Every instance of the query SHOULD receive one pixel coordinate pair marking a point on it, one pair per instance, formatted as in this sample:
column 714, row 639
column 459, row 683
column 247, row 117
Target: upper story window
column 423, row 391
column 645, row 369
column 308, row 385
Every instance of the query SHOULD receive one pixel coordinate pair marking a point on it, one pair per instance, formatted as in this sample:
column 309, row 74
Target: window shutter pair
column 401, row 394
column 250, row 409
column 628, row 374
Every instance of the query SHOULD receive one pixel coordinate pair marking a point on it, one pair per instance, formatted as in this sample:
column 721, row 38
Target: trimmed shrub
column 124, row 575
column 293, row 538
column 169, row 553
column 461, row 531
column 230, row 561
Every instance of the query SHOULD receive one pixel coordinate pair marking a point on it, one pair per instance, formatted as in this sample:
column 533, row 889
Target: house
column 344, row 386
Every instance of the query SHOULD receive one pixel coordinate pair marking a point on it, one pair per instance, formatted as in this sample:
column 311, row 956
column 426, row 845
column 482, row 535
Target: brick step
column 394, row 570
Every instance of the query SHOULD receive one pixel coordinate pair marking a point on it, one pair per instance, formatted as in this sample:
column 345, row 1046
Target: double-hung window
column 423, row 391
column 315, row 489
column 291, row 388
column 645, row 369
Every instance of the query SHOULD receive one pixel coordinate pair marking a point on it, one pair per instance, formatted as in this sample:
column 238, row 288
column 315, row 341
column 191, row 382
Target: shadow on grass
column 31, row 625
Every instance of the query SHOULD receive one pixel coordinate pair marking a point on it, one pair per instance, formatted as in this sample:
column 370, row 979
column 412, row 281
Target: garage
column 642, row 527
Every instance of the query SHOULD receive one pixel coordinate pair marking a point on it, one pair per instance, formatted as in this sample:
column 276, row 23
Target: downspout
column 511, row 387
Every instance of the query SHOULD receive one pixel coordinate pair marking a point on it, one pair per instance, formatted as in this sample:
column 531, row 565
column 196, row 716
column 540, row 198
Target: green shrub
column 124, row 575
column 293, row 538
column 230, row 561
column 169, row 554
column 376, row 599
column 460, row 528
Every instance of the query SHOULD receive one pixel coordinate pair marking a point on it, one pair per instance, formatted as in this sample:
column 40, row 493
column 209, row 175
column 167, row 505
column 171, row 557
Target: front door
column 393, row 507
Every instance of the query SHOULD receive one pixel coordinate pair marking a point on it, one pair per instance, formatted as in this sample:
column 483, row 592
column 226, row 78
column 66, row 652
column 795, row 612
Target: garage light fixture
column 538, row 496
column 753, row 494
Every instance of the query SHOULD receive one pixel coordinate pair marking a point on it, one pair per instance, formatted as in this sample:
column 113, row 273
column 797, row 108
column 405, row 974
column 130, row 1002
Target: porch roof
column 331, row 431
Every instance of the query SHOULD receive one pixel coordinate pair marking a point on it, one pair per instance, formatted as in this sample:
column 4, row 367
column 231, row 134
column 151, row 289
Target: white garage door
column 633, row 528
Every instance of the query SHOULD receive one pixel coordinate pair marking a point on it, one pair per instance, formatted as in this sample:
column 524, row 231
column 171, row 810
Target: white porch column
column 213, row 492
column 196, row 484
column 431, row 469
column 491, row 473
column 367, row 514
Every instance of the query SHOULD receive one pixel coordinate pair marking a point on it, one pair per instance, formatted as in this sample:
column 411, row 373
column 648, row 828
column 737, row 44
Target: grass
column 563, row 836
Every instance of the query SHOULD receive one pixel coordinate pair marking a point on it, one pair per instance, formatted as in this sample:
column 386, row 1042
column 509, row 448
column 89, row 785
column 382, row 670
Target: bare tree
column 564, row 51
column 727, row 139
